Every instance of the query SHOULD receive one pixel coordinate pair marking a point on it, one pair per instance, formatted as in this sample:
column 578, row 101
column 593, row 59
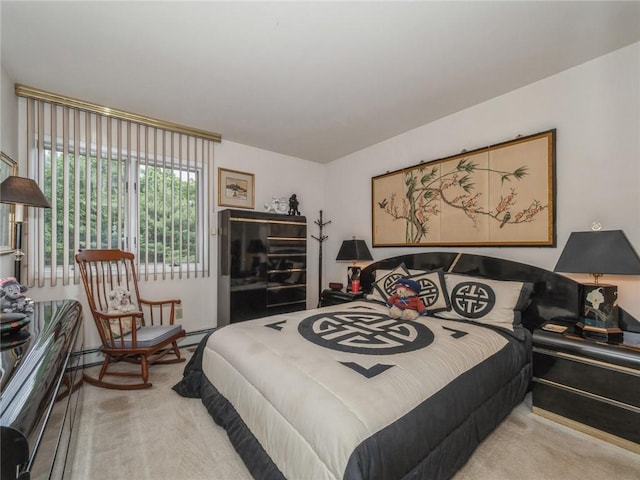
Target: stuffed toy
column 120, row 301
column 405, row 303
column 12, row 297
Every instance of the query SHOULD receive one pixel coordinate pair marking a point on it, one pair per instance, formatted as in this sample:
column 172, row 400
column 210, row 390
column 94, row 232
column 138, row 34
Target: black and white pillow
column 433, row 290
column 491, row 302
column 384, row 286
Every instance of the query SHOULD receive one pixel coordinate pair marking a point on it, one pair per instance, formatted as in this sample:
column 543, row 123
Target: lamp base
column 599, row 319
column 600, row 334
column 353, row 273
column 17, row 264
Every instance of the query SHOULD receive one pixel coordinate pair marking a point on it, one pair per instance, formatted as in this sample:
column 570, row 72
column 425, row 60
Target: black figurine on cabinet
column 293, row 205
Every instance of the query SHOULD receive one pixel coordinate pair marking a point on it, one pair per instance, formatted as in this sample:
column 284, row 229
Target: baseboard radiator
column 93, row 356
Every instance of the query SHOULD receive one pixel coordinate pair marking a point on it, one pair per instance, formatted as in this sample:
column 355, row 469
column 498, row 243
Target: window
column 116, row 183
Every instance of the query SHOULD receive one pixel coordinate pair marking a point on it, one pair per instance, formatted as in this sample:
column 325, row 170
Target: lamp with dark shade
column 354, row 251
column 598, row 253
column 21, row 192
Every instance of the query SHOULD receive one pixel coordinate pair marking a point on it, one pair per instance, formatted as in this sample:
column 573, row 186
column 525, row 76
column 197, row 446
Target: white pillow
column 433, row 290
column 491, row 302
column 383, row 287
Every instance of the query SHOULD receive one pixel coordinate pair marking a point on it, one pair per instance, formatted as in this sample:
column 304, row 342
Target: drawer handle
column 588, row 361
column 593, row 396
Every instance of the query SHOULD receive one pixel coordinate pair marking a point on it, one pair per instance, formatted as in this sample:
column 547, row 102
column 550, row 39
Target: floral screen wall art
column 501, row 195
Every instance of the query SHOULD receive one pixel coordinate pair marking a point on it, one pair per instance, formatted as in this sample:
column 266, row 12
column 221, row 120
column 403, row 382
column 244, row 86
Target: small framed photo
column 236, row 189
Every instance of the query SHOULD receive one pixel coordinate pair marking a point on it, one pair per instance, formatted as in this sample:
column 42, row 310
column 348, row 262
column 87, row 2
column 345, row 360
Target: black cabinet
column 262, row 265
column 590, row 386
column 40, row 398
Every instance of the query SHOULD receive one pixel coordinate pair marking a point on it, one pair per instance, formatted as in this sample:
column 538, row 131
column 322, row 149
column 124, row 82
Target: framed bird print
column 236, row 189
column 500, row 195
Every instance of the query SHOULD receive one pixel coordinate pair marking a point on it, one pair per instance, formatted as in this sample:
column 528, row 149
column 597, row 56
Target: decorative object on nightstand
column 21, row 192
column 353, row 251
column 598, row 252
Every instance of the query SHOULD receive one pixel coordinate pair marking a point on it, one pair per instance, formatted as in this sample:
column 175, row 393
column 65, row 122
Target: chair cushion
column 150, row 336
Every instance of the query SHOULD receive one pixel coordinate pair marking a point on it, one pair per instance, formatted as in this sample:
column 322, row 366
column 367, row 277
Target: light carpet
column 157, row 434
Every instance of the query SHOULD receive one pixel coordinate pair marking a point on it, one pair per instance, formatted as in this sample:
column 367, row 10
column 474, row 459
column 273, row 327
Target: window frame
column 132, row 207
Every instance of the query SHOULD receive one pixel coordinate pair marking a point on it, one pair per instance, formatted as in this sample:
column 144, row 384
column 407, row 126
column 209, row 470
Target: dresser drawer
column 590, row 386
column 617, row 420
column 600, row 378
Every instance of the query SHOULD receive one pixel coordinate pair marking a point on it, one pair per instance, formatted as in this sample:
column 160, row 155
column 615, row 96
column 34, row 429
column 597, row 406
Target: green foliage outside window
column 167, row 203
column 167, row 216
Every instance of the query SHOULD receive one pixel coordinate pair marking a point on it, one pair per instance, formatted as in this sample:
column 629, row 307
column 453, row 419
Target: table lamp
column 21, row 192
column 599, row 252
column 354, row 251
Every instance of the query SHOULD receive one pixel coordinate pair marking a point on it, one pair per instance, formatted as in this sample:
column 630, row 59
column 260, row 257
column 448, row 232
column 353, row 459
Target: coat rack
column 320, row 240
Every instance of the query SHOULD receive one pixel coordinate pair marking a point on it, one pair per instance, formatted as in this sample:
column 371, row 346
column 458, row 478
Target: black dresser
column 591, row 386
column 262, row 268
column 40, row 398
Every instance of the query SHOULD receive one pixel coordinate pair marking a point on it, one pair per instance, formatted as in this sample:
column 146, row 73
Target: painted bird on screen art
column 505, row 219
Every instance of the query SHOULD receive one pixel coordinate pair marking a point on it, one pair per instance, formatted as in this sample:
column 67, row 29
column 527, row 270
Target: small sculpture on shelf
column 277, row 205
column 13, row 298
column 293, row 205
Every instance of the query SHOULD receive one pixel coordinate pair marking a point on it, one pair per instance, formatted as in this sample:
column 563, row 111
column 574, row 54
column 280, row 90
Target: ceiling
column 315, row 80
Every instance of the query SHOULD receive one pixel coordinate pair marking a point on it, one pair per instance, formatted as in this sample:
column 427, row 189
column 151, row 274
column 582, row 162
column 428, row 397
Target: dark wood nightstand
column 590, row 386
column 336, row 297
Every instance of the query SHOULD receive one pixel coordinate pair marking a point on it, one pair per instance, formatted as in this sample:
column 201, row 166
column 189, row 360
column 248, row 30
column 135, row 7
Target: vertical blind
column 116, row 182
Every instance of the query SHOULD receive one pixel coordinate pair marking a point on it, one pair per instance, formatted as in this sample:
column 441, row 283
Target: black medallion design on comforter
column 348, row 392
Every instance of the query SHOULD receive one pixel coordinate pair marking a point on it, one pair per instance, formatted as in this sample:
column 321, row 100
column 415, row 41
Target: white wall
column 595, row 108
column 8, row 144
column 8, row 116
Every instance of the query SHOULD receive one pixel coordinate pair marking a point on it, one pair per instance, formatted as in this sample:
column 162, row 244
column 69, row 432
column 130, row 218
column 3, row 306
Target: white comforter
column 310, row 406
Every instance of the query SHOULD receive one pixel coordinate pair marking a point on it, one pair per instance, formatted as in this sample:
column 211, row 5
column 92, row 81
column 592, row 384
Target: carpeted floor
column 156, row 434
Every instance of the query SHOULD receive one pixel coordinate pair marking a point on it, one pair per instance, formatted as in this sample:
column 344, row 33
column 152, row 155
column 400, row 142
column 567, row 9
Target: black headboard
column 554, row 295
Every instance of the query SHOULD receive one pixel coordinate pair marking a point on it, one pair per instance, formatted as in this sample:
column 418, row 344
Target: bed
column 346, row 391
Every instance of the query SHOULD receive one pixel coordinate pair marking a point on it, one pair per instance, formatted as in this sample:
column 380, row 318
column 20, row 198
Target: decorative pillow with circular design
column 433, row 290
column 491, row 302
column 383, row 287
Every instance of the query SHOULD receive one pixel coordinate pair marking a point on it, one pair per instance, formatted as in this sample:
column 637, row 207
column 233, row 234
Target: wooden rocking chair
column 131, row 329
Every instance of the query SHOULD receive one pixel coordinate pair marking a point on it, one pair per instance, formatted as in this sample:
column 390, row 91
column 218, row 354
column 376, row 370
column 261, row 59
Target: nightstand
column 336, row 297
column 590, row 386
